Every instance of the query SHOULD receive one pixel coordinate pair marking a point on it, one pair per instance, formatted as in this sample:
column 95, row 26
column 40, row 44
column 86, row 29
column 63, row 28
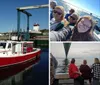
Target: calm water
column 62, row 68
column 39, row 73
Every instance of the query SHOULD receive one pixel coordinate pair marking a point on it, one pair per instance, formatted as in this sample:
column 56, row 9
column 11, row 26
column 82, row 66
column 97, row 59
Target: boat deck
column 63, row 79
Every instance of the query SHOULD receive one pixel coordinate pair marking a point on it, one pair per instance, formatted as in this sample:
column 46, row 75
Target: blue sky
column 92, row 6
column 8, row 14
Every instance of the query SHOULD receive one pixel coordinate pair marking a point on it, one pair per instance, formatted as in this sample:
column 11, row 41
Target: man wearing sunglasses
column 73, row 19
column 56, row 23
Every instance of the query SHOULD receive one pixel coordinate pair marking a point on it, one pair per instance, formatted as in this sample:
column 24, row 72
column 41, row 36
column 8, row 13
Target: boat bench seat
column 64, row 79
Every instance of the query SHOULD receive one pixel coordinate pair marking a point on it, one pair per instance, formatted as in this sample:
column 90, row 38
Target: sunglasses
column 59, row 13
column 72, row 17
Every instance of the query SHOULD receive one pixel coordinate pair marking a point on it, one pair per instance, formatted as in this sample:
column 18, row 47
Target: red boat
column 16, row 56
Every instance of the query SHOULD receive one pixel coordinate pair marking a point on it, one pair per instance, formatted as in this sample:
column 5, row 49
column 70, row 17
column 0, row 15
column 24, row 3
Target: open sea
column 62, row 68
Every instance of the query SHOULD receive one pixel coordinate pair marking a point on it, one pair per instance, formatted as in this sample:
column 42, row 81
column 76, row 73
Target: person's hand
column 65, row 22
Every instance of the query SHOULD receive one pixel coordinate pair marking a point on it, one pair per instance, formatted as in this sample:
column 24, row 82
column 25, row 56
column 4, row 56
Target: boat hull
column 13, row 65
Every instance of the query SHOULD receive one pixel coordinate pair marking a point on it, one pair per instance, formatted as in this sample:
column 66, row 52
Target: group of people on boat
column 70, row 27
column 84, row 72
column 78, row 74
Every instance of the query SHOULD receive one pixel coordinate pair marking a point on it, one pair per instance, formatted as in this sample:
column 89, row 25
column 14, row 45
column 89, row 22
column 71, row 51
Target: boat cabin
column 15, row 47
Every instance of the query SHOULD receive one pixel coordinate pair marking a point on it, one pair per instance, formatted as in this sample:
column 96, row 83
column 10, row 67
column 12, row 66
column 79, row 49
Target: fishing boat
column 16, row 56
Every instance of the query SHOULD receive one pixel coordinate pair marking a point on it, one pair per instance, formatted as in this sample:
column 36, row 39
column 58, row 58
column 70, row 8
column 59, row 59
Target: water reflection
column 37, row 74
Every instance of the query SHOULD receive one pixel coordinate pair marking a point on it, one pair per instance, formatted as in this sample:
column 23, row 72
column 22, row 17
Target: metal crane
column 23, row 10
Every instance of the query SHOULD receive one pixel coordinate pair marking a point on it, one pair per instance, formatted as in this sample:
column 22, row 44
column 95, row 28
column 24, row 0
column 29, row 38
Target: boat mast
column 66, row 47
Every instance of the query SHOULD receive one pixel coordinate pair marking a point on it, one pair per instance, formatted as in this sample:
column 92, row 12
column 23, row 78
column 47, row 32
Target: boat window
column 30, row 45
column 9, row 46
column 25, row 45
column 13, row 47
column 3, row 45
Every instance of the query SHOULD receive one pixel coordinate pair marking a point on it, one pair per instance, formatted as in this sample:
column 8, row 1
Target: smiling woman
column 75, row 41
column 83, row 30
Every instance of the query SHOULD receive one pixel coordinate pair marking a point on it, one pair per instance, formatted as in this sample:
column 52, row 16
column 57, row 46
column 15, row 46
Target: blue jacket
column 67, row 15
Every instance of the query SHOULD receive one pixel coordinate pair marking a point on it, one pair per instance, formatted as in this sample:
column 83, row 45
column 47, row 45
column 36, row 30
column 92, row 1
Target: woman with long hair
column 83, row 31
column 96, row 72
